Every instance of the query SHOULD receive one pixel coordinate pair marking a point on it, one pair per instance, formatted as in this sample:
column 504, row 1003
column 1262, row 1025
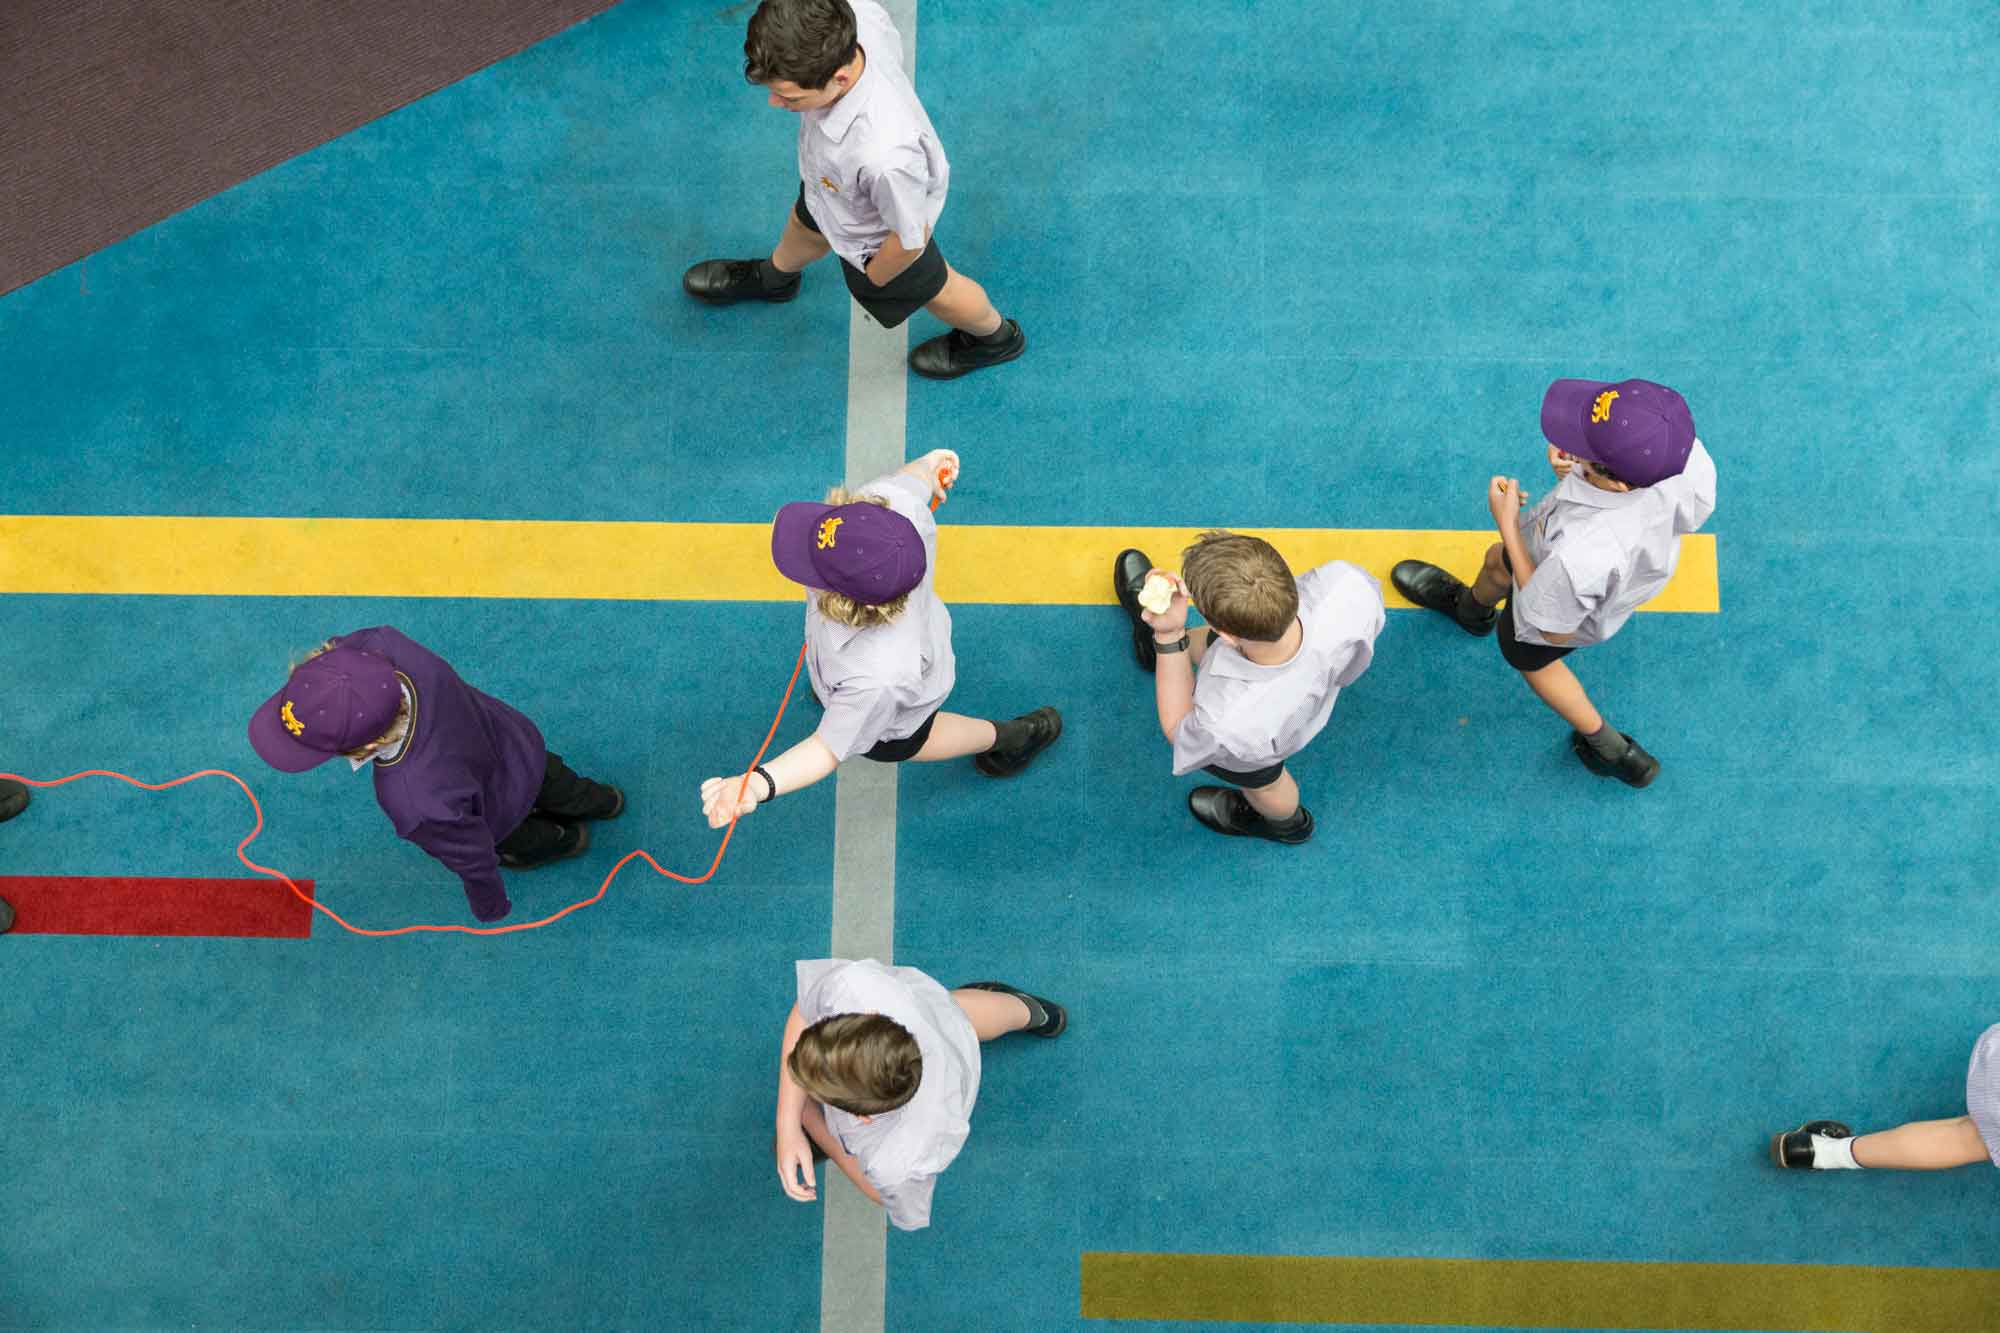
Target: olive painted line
column 715, row 562
column 1545, row 1294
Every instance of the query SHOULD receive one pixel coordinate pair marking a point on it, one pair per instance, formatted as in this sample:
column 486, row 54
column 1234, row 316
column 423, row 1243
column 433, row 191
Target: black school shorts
column 903, row 295
column 896, row 751
column 1262, row 777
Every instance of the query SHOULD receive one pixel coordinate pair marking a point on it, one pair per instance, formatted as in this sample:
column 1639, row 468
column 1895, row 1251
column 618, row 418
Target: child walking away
column 873, row 178
column 879, row 1070
column 1921, row 1145
column 459, row 773
column 878, row 643
column 1274, row 656
column 1632, row 479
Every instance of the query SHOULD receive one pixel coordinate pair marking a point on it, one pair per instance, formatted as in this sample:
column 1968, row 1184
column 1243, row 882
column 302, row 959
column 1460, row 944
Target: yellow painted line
column 1799, row 1298
column 726, row 562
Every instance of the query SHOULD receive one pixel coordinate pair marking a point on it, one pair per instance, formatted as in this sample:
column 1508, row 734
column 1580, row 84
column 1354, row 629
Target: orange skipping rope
column 286, row 880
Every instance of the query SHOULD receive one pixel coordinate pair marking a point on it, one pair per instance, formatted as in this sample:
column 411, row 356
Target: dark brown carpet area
column 117, row 113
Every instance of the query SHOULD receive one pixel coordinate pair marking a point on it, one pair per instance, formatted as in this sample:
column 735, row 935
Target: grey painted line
column 854, row 1248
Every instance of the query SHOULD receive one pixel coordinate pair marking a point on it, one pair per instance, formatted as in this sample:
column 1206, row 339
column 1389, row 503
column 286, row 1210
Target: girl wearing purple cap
column 459, row 773
column 878, row 643
column 1632, row 479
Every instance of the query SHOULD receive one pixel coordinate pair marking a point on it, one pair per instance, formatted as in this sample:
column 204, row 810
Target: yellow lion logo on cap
column 827, row 531
column 291, row 720
column 1601, row 409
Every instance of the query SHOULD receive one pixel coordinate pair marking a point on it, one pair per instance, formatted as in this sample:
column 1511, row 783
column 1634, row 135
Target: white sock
column 1833, row 1154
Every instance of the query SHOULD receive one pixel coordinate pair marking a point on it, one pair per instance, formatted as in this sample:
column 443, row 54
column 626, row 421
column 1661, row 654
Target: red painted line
column 135, row 905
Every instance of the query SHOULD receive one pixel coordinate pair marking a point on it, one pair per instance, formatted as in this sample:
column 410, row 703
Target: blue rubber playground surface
column 1280, row 264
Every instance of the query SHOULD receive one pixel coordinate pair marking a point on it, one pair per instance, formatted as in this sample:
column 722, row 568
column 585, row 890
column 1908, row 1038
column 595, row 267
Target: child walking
column 873, row 178
column 1275, row 654
column 878, row 1071
column 878, row 644
column 459, row 773
column 1921, row 1145
column 1632, row 480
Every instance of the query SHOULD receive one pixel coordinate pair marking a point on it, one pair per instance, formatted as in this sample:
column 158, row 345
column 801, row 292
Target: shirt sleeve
column 855, row 718
column 900, row 192
column 1551, row 603
column 908, row 1201
column 1195, row 741
column 817, row 977
column 466, row 846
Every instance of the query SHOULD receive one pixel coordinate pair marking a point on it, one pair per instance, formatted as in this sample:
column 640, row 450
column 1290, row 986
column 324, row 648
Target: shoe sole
column 1778, row 1150
column 743, row 300
column 1019, row 348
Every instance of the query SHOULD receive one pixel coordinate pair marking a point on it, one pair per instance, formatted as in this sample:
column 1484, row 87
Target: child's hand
column 1504, row 496
column 942, row 466
column 1173, row 620
column 795, row 1166
column 718, row 799
column 1560, row 462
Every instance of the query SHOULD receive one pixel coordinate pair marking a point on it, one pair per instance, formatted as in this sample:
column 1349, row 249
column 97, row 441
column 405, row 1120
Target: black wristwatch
column 1179, row 645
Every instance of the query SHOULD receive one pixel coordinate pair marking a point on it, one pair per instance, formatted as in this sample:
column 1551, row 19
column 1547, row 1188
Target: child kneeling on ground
column 878, row 643
column 879, row 1071
column 1632, row 479
column 1274, row 656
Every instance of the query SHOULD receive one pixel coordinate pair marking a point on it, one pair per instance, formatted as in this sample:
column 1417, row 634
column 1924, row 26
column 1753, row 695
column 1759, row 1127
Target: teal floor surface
column 1279, row 263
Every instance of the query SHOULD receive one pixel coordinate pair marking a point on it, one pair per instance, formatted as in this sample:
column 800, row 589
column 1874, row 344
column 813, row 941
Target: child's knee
column 1496, row 561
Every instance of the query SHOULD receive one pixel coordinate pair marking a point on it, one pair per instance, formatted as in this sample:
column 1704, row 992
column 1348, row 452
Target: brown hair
column 864, row 1064
column 838, row 606
column 1241, row 584
column 801, row 41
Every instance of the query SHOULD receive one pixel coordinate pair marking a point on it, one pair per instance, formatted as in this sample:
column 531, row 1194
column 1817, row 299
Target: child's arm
column 801, row 766
column 794, row 1156
column 1173, row 673
column 1504, row 497
column 890, row 261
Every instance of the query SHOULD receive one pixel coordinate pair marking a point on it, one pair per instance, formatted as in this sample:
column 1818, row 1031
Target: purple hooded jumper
column 467, row 776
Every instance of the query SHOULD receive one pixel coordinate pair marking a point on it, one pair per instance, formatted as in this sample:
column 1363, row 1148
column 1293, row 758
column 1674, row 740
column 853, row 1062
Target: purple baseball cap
column 1640, row 430
column 859, row 550
column 339, row 701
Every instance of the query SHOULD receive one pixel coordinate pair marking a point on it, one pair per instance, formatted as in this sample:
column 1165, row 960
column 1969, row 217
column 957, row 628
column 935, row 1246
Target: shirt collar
column 1575, row 490
column 391, row 754
column 834, row 121
column 1233, row 665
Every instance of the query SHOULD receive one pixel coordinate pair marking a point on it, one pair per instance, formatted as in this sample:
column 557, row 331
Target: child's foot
column 727, row 281
column 1020, row 741
column 13, row 798
column 1227, row 810
column 574, row 841
column 1128, row 575
column 610, row 803
column 1433, row 588
column 1800, row 1148
column 1046, row 1018
column 950, row 355
column 1632, row 766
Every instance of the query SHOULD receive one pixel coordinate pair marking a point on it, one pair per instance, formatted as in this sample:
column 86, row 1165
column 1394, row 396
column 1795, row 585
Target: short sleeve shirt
column 1247, row 716
column 882, row 683
column 1600, row 555
column 902, row 1151
column 871, row 163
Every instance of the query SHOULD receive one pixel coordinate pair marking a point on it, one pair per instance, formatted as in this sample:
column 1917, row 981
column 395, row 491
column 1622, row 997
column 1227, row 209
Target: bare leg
column 1493, row 581
column 953, row 736
column 1923, row 1145
column 800, row 245
column 963, row 304
column 1561, row 690
column 993, row 1014
column 1279, row 801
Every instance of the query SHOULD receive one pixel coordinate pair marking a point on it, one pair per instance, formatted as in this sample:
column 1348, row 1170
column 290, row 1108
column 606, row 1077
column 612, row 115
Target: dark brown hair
column 1241, row 584
column 801, row 41
column 862, row 1063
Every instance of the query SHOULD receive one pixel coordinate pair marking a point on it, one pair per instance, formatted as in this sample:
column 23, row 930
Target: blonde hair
column 864, row 1064
column 396, row 726
column 1242, row 585
column 838, row 606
